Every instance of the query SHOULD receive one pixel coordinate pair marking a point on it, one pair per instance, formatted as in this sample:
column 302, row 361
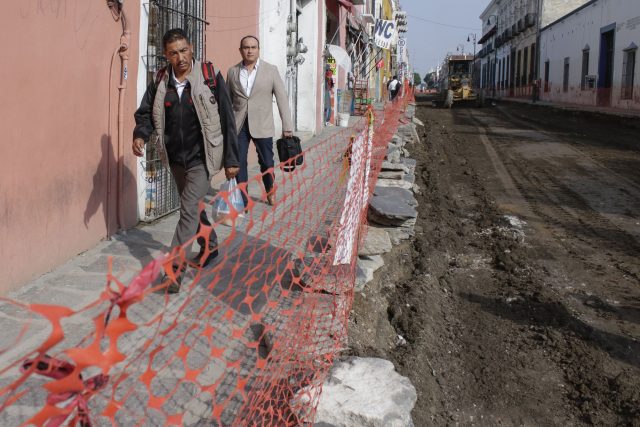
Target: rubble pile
column 368, row 391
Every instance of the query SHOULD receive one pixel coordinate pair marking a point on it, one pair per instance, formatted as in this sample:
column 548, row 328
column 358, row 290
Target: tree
column 430, row 79
column 416, row 79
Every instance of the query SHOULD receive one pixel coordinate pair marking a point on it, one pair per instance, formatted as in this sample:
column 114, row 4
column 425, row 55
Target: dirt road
column 519, row 299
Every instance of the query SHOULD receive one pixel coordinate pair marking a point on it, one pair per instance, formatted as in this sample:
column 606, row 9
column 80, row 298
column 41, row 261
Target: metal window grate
column 162, row 194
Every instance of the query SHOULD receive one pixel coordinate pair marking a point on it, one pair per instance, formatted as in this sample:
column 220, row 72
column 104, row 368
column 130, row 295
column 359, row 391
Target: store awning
column 341, row 56
column 488, row 35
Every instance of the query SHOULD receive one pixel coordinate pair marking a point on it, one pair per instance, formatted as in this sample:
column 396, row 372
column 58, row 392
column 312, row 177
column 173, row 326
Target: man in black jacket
column 195, row 132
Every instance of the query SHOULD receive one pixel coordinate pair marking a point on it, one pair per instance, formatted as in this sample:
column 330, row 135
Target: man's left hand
column 231, row 172
column 287, row 134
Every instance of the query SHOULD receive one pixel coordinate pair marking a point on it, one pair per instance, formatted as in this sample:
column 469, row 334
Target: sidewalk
column 618, row 112
column 82, row 279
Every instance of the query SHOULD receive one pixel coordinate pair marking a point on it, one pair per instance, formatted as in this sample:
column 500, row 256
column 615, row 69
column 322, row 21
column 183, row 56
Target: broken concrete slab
column 396, row 183
column 391, row 175
column 388, row 166
column 417, row 121
column 398, row 235
column 401, row 193
column 410, row 178
column 394, row 155
column 365, row 267
column 377, row 242
column 366, row 392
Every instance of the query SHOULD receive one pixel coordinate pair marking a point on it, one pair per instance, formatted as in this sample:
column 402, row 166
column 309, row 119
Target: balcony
column 368, row 18
column 530, row 20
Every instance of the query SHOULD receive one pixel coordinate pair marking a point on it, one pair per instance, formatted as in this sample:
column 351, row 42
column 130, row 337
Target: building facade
column 70, row 179
column 509, row 58
column 590, row 56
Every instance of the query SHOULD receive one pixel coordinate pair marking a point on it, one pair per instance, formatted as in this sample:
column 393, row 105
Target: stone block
column 366, row 392
column 377, row 242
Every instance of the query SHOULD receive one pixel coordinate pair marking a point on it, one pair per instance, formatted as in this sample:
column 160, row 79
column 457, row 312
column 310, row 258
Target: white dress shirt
column 247, row 78
column 179, row 85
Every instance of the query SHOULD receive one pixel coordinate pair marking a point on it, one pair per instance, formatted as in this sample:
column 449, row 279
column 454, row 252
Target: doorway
column 605, row 65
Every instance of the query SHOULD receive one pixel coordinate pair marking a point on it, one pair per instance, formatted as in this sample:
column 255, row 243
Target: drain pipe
column 125, row 39
column 115, row 6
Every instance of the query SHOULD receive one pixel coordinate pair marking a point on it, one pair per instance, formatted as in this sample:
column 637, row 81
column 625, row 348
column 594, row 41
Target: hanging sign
column 385, row 32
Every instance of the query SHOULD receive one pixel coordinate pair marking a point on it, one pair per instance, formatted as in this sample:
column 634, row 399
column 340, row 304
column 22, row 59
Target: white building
column 589, row 56
column 510, row 55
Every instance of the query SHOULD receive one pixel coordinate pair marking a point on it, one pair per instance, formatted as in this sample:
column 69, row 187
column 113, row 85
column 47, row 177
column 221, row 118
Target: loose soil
column 518, row 301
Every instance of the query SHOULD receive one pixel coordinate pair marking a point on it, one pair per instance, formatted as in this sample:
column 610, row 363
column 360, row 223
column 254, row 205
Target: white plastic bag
column 222, row 208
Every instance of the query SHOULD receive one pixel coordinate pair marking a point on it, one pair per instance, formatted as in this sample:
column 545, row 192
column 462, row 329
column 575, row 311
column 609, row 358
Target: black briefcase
column 290, row 153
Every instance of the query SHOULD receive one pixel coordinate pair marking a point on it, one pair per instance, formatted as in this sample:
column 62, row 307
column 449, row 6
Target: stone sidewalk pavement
column 82, row 279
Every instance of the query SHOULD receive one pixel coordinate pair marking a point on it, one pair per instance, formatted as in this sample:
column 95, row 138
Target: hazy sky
column 437, row 27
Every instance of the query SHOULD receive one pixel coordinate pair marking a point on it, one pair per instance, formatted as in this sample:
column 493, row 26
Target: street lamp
column 460, row 48
column 470, row 37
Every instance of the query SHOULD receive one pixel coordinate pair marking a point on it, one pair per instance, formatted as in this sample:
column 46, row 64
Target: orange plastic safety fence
column 248, row 340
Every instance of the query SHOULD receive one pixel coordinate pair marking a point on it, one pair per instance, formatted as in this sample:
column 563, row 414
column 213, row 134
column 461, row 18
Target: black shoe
column 174, row 286
column 199, row 259
column 264, row 338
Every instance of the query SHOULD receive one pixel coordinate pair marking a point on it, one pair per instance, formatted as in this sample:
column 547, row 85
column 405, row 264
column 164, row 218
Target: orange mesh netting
column 247, row 341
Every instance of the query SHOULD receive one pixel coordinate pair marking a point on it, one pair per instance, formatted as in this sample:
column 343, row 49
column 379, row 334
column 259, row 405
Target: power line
column 444, row 25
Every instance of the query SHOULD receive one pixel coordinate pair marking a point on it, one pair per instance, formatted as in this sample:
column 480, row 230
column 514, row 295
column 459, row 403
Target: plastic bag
column 223, row 209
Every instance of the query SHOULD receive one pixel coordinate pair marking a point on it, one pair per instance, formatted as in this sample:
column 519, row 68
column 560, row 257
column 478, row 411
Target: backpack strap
column 160, row 75
column 209, row 73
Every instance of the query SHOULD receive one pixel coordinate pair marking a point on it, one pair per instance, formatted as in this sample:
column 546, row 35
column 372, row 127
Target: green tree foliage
column 416, row 79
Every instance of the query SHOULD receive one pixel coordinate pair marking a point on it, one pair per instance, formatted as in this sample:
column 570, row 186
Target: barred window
column 546, row 76
column 565, row 77
column 167, row 14
column 585, row 69
column 628, row 71
column 161, row 193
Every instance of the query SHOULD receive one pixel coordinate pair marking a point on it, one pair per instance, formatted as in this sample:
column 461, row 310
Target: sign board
column 385, row 33
column 402, row 50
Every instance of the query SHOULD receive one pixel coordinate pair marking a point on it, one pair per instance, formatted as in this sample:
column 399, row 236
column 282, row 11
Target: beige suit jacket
column 258, row 108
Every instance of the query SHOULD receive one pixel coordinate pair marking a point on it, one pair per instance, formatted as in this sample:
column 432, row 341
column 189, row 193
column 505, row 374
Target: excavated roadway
column 519, row 298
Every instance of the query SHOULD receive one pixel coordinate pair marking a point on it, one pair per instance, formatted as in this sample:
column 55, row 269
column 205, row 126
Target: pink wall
column 229, row 22
column 55, row 129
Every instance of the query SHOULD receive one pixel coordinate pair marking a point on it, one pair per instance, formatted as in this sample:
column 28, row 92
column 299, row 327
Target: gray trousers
column 193, row 185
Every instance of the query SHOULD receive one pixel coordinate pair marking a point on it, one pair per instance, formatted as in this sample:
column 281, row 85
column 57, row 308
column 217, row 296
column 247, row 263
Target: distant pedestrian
column 328, row 90
column 535, row 91
column 252, row 85
column 196, row 134
column 394, row 86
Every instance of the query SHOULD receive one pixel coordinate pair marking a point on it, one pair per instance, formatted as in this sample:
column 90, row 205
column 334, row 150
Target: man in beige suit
column 252, row 84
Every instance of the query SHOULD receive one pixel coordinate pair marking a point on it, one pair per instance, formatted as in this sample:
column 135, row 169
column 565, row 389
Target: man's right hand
column 138, row 147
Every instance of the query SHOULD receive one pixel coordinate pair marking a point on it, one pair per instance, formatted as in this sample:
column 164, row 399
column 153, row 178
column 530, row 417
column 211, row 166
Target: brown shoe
column 271, row 198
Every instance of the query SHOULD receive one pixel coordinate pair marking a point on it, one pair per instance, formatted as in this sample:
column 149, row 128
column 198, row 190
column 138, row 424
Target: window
column 546, row 76
column 565, row 76
column 585, row 69
column 505, row 67
column 628, row 71
column 532, row 70
column 525, row 65
column 518, row 63
column 161, row 192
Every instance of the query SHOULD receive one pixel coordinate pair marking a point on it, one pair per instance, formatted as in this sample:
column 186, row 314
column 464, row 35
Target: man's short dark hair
column 249, row 37
column 173, row 35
